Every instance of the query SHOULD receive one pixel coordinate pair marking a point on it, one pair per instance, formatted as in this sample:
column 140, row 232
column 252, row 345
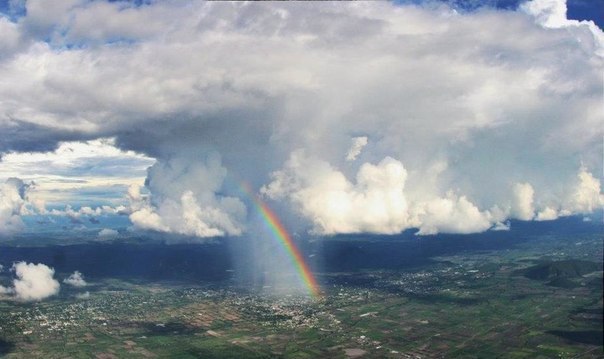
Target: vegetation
column 465, row 305
column 571, row 268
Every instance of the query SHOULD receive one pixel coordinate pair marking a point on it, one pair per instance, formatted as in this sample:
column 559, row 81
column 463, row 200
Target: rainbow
column 281, row 234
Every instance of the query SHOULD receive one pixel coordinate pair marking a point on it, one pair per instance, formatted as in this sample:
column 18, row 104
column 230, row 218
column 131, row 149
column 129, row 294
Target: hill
column 572, row 268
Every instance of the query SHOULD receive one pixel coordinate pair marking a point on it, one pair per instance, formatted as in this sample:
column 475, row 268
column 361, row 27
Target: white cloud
column 34, row 281
column 184, row 200
column 9, row 37
column 146, row 218
column 74, row 168
column 12, row 205
column 84, row 211
column 547, row 214
column 500, row 226
column 451, row 214
column 356, row 147
column 552, row 14
column 522, row 201
column 134, row 194
column 75, row 279
column 85, row 295
column 473, row 103
column 107, row 233
column 375, row 203
column 587, row 196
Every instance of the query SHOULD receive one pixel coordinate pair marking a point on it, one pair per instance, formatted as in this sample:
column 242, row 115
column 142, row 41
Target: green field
column 470, row 305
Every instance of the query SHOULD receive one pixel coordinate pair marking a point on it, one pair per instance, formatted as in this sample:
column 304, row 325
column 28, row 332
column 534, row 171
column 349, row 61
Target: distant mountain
column 555, row 270
column 563, row 283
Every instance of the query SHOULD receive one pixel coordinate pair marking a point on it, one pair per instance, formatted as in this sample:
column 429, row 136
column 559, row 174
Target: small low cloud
column 107, row 233
column 89, row 212
column 501, row 226
column 75, row 279
column 85, row 295
column 356, row 147
column 34, row 281
column 547, row 214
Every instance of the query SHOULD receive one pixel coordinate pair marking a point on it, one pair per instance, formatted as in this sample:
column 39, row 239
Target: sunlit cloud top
column 363, row 117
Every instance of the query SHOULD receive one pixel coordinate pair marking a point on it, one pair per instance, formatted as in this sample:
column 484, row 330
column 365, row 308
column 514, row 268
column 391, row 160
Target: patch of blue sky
column 135, row 3
column 91, row 197
column 66, row 45
column 12, row 9
column 464, row 5
column 112, row 167
column 58, row 36
column 577, row 9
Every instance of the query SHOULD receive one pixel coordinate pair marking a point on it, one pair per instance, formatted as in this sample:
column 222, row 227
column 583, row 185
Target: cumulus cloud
column 522, row 201
column 547, row 214
column 376, row 202
column 452, row 214
column 107, row 233
column 552, row 14
column 184, row 200
column 356, row 147
column 75, row 279
column 587, row 195
column 85, row 295
column 146, row 218
column 84, row 211
column 465, row 111
column 12, row 205
column 9, row 37
column 34, row 282
column 91, row 171
column 500, row 226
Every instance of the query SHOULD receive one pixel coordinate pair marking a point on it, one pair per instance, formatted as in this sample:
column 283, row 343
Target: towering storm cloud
column 352, row 117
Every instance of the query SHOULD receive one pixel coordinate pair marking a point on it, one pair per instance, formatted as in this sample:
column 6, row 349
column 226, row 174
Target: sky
column 345, row 117
column 576, row 9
